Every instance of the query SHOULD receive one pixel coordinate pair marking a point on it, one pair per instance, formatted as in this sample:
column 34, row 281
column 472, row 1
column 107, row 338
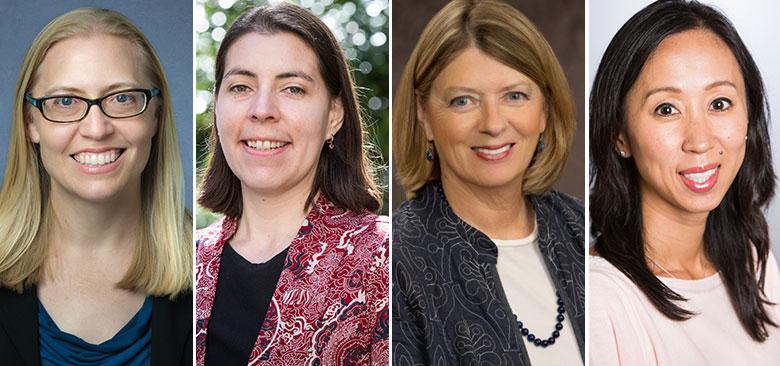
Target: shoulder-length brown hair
column 344, row 174
column 501, row 31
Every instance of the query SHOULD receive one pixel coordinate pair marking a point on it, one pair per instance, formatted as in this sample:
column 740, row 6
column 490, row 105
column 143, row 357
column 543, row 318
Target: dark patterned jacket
column 330, row 306
column 448, row 304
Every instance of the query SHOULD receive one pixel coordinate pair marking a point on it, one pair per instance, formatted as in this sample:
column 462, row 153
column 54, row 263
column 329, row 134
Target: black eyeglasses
column 72, row 108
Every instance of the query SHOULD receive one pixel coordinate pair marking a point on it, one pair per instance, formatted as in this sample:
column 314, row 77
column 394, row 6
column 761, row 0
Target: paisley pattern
column 330, row 306
column 448, row 304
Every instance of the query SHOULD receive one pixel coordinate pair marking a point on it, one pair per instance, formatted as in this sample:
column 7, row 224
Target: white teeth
column 702, row 177
column 264, row 144
column 500, row 150
column 97, row 159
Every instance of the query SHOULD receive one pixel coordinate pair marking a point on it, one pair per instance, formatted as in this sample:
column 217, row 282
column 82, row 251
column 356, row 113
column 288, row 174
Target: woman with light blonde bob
column 430, row 58
column 92, row 221
column 483, row 123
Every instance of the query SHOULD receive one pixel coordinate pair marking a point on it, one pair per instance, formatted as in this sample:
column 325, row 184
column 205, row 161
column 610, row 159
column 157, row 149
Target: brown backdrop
column 562, row 22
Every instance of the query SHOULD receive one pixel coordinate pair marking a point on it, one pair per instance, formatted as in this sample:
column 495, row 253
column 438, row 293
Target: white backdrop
column 757, row 24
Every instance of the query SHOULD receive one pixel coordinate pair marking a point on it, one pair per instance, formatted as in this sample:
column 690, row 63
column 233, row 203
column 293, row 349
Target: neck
column 500, row 212
column 106, row 225
column 268, row 219
column 89, row 238
column 675, row 240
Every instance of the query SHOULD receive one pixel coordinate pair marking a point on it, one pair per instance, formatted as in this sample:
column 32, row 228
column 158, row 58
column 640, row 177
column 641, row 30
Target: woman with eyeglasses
column 95, row 242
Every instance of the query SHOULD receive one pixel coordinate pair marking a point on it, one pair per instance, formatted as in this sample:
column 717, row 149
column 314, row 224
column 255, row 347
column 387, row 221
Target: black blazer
column 171, row 329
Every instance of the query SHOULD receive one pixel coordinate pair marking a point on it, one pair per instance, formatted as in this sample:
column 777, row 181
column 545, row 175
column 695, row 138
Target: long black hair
column 736, row 238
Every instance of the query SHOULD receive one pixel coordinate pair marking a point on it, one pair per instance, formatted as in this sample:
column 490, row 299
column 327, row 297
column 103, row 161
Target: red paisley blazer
column 330, row 306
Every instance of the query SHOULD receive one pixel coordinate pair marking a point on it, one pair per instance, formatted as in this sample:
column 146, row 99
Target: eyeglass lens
column 119, row 105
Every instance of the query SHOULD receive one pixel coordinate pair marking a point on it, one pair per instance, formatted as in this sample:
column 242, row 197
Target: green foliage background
column 361, row 26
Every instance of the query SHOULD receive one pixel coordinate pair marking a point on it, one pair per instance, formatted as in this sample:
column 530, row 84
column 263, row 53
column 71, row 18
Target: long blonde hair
column 162, row 264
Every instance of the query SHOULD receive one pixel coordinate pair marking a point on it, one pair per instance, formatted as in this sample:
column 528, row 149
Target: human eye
column 294, row 90
column 123, row 98
column 516, row 96
column 239, row 89
column 460, row 101
column 720, row 104
column 666, row 110
column 63, row 102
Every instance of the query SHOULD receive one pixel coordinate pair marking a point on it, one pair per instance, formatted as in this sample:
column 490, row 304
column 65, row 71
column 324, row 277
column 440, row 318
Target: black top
column 244, row 292
column 449, row 307
column 19, row 344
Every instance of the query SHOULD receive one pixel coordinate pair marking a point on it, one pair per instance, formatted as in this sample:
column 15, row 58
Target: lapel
column 207, row 272
column 298, row 265
column 19, row 317
column 302, row 284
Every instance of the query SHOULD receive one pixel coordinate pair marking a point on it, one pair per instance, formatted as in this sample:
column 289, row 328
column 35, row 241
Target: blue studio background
column 167, row 25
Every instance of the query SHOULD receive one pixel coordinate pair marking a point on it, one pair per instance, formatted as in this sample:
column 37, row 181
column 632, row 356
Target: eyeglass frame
column 38, row 102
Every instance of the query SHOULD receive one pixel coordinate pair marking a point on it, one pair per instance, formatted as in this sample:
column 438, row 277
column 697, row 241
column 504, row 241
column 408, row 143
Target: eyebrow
column 295, row 74
column 461, row 89
column 519, row 84
column 284, row 75
column 241, row 72
column 677, row 90
column 60, row 90
column 475, row 91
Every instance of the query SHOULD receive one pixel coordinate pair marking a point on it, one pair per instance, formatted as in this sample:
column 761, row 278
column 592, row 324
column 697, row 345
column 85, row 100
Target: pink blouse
column 626, row 329
column 330, row 306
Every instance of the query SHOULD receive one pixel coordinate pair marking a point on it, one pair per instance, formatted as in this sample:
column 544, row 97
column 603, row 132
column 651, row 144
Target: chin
column 99, row 193
column 495, row 181
column 261, row 184
column 701, row 206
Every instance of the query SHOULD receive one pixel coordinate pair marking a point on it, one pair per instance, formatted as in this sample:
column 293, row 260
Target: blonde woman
column 488, row 261
column 95, row 253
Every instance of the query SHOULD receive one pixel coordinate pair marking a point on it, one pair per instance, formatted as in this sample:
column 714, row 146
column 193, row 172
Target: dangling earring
column 330, row 143
column 429, row 151
column 540, row 147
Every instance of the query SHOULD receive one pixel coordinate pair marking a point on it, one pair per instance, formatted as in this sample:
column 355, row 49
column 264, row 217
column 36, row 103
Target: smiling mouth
column 496, row 152
column 700, row 180
column 265, row 145
column 97, row 159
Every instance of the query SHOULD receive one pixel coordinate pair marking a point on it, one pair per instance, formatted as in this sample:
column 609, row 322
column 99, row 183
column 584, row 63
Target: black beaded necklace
column 536, row 341
column 555, row 334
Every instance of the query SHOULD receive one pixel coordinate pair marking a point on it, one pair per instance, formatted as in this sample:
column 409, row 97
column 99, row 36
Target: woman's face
column 686, row 123
column 274, row 112
column 98, row 158
column 485, row 119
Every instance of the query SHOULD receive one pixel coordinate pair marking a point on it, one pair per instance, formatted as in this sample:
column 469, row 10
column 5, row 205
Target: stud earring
column 429, row 151
column 622, row 153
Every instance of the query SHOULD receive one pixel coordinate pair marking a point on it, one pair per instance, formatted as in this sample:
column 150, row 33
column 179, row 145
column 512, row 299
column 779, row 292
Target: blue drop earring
column 540, row 147
column 429, row 151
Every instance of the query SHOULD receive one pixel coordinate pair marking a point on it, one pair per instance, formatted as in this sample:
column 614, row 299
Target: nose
column 699, row 134
column 95, row 124
column 264, row 107
column 493, row 122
